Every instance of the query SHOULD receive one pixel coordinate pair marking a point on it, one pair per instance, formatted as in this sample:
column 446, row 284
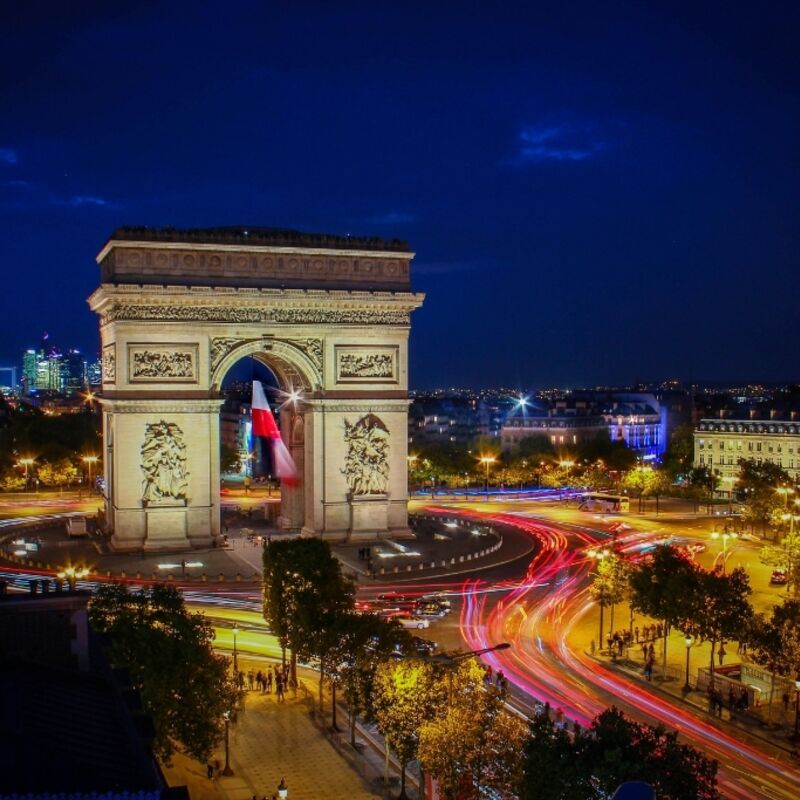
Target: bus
column 607, row 503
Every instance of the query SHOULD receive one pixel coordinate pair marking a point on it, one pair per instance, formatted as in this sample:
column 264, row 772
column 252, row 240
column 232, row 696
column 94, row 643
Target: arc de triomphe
column 328, row 315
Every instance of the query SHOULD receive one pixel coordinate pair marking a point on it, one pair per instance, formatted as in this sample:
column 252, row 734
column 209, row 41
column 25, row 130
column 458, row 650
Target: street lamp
column 90, row 461
column 796, row 734
column 487, row 461
column 725, row 535
column 235, row 662
column 600, row 555
column 26, row 462
column 227, row 771
column 689, row 642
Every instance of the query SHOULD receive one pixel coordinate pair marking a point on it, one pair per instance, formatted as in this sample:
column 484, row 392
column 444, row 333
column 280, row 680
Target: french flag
column 264, row 425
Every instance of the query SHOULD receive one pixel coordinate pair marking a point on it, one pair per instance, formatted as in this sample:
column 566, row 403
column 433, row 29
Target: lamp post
column 725, row 535
column 487, row 461
column 796, row 734
column 689, row 642
column 235, row 662
column 90, row 461
column 600, row 555
column 26, row 462
column 227, row 771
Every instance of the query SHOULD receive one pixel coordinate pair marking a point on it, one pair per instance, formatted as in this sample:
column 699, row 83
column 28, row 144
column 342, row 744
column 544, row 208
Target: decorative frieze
column 366, row 466
column 166, row 480
column 162, row 363
column 244, row 314
column 220, row 347
column 313, row 348
column 109, row 364
column 367, row 364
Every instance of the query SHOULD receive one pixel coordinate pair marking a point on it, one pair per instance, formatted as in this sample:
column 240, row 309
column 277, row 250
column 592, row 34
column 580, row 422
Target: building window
column 710, row 460
column 758, row 448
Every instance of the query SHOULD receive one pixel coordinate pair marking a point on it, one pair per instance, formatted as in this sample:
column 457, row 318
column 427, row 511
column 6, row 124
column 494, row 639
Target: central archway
column 330, row 318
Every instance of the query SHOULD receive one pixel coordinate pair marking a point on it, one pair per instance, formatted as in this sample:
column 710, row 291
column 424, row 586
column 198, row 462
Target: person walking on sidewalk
column 279, row 687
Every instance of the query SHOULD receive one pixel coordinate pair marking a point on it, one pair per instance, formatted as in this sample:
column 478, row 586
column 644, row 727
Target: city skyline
column 594, row 197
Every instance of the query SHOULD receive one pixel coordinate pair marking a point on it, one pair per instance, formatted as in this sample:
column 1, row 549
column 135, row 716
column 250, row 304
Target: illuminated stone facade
column 329, row 316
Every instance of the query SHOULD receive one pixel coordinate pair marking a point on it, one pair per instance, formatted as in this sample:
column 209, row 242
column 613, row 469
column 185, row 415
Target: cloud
column 8, row 156
column 563, row 141
column 391, row 218
column 24, row 195
column 86, row 200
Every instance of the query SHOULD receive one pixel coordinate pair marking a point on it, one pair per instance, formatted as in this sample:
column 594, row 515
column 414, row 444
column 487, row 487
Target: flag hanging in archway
column 264, row 425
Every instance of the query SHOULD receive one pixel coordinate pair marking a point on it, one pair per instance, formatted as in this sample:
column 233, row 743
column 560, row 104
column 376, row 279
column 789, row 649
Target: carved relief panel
column 367, row 364
column 109, row 364
column 166, row 479
column 162, row 363
column 366, row 466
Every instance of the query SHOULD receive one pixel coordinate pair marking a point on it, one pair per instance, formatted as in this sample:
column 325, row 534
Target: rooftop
column 258, row 235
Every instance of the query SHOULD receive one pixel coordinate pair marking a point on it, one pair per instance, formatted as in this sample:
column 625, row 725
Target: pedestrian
column 210, row 771
column 743, row 700
column 251, row 679
column 644, row 652
column 279, row 688
column 651, row 653
column 648, row 668
column 592, row 647
column 785, row 699
column 721, row 654
column 621, row 645
column 731, row 699
column 499, row 677
column 268, row 683
column 636, row 632
column 260, row 681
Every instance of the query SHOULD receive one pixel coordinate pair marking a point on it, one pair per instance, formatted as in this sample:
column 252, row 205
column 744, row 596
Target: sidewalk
column 273, row 740
column 752, row 721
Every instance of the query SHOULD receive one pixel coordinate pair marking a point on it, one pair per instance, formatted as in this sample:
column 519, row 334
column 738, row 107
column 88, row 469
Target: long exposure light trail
column 544, row 665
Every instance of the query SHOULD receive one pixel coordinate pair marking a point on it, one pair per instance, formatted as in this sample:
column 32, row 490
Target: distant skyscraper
column 94, row 373
column 73, row 373
column 29, row 371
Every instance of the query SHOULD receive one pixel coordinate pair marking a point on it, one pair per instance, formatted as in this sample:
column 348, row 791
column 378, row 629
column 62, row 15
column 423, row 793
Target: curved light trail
column 545, row 666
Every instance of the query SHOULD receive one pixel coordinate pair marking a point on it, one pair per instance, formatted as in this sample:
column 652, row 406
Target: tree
column 304, row 594
column 13, row 480
column 613, row 750
column 785, row 556
column 719, row 609
column 610, row 584
column 475, row 744
column 167, row 651
column 58, row 473
column 759, row 483
column 775, row 643
column 229, row 459
column 370, row 641
column 406, row 693
column 680, row 452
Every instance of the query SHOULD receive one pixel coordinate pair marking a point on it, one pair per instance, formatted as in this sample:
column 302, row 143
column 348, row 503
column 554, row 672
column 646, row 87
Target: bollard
column 204, row 577
column 238, row 578
column 221, row 578
column 469, row 556
column 452, row 561
column 123, row 574
column 461, row 559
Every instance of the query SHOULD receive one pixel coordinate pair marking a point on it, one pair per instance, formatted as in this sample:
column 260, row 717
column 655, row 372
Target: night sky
column 596, row 192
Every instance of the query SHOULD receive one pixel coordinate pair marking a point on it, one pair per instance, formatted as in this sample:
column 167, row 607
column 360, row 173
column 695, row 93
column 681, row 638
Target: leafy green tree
column 13, row 480
column 304, row 594
column 406, row 694
column 610, row 584
column 229, row 459
column 679, row 455
column 720, row 610
column 474, row 744
column 168, row 653
column 58, row 473
column 759, row 485
column 786, row 556
column 370, row 641
column 612, row 751
column 775, row 643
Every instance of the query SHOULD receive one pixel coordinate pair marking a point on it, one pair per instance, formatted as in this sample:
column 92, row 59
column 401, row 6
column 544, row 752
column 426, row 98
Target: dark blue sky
column 597, row 193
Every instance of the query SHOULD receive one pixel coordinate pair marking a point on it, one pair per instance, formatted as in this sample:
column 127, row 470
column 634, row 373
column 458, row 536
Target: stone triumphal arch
column 328, row 315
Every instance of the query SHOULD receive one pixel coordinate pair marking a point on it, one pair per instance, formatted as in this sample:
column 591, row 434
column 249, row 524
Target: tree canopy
column 184, row 686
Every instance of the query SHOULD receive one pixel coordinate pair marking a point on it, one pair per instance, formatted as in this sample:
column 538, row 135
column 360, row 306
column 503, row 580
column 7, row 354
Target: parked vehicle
column 413, row 622
column 779, row 578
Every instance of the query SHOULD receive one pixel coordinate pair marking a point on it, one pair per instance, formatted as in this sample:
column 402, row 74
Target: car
column 441, row 598
column 413, row 622
column 779, row 578
column 424, row 647
column 394, row 600
column 429, row 608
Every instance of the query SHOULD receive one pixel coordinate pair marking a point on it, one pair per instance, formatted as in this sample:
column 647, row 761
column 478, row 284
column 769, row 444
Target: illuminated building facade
column 720, row 444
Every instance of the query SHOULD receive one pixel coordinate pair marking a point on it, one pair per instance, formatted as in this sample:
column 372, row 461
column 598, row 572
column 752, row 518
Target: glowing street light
column 26, row 462
column 689, row 642
column 90, row 461
column 487, row 461
column 227, row 771
column 725, row 535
